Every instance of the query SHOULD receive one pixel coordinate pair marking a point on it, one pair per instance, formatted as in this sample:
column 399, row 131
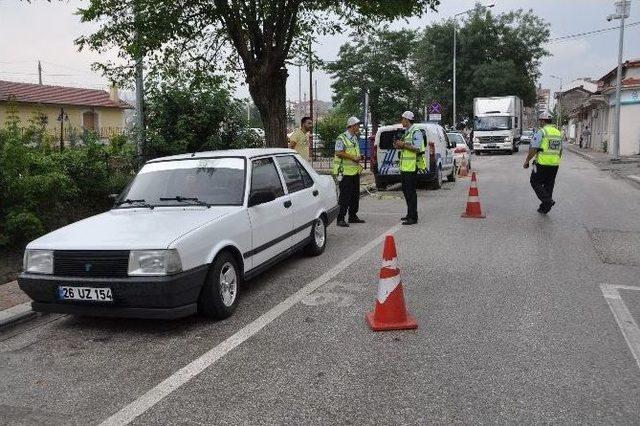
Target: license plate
column 102, row 294
column 492, row 146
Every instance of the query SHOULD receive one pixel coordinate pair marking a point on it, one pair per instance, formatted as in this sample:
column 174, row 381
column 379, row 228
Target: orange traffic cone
column 464, row 170
column 473, row 204
column 390, row 311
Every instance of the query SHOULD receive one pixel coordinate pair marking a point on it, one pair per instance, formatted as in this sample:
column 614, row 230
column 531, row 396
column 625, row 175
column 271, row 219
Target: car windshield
column 496, row 122
column 457, row 138
column 214, row 181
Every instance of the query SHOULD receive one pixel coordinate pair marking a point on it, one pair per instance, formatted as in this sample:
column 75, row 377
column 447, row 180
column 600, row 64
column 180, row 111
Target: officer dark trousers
column 409, row 184
column 542, row 180
column 349, row 199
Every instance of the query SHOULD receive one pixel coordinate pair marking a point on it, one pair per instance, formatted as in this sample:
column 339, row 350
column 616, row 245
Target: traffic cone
column 473, row 203
column 390, row 312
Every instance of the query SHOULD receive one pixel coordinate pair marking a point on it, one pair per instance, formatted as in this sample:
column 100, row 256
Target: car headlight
column 476, row 139
column 38, row 261
column 507, row 139
column 154, row 262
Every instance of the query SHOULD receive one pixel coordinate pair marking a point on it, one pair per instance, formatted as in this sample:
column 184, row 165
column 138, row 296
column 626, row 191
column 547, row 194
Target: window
column 295, row 176
column 265, row 177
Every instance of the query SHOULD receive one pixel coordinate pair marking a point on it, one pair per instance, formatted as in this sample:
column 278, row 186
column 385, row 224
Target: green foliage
column 496, row 55
column 380, row 64
column 42, row 189
column 329, row 128
column 193, row 116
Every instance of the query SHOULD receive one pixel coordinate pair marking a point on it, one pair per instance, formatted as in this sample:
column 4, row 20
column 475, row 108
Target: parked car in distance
column 183, row 236
column 385, row 161
column 527, row 136
column 461, row 153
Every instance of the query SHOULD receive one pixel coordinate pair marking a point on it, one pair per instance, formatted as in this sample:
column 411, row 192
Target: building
column 75, row 110
column 598, row 112
column 543, row 102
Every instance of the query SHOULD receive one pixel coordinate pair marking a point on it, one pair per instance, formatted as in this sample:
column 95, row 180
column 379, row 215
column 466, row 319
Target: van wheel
column 438, row 183
column 219, row 295
column 318, row 238
column 452, row 176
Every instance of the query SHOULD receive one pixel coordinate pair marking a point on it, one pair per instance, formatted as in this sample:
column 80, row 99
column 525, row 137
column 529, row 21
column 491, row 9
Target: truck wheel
column 318, row 238
column 219, row 295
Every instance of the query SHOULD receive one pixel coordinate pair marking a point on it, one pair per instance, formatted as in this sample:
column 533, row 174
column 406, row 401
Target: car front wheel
column 219, row 295
column 318, row 238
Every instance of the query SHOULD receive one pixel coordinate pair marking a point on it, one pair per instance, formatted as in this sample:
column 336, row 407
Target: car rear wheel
column 452, row 176
column 318, row 238
column 438, row 182
column 219, row 295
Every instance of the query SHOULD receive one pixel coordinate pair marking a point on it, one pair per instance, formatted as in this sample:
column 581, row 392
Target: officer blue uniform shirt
column 417, row 139
column 537, row 139
column 340, row 144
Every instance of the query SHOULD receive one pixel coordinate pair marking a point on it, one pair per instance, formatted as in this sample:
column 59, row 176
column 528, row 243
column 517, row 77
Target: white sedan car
column 183, row 236
column 461, row 153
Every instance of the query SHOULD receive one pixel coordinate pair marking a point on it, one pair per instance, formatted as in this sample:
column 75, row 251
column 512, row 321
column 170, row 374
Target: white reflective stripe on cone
column 473, row 199
column 391, row 264
column 386, row 286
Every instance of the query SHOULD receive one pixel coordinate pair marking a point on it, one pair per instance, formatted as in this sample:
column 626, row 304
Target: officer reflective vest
column 551, row 146
column 342, row 166
column 411, row 161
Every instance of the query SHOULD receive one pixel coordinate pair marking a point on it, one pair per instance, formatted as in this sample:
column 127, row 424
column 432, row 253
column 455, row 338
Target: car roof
column 243, row 153
column 399, row 126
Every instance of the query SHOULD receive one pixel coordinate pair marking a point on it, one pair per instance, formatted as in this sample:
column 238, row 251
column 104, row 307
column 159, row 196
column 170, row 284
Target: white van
column 439, row 151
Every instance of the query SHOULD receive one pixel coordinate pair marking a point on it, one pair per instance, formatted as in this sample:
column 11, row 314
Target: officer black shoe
column 342, row 224
column 356, row 220
column 410, row 222
column 404, row 218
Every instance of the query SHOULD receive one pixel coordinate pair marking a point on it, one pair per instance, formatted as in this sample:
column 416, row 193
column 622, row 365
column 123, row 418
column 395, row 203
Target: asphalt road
column 513, row 325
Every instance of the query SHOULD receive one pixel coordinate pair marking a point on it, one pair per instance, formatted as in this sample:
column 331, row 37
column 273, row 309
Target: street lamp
column 622, row 12
column 559, row 121
column 455, row 32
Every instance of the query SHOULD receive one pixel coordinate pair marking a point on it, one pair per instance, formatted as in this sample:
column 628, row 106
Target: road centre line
column 626, row 323
column 163, row 389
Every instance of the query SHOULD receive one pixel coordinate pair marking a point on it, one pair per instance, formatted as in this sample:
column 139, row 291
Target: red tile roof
column 58, row 95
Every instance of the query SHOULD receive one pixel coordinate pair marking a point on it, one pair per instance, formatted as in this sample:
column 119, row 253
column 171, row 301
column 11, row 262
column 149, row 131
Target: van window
column 386, row 139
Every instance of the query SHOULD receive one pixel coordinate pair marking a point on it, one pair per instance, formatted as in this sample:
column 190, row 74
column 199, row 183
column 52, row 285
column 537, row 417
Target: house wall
column 629, row 120
column 110, row 121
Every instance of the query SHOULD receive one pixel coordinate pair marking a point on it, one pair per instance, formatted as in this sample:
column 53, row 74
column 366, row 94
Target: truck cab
column 497, row 124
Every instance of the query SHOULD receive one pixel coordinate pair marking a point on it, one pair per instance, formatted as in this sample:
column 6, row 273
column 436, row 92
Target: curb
column 582, row 154
column 15, row 314
column 633, row 179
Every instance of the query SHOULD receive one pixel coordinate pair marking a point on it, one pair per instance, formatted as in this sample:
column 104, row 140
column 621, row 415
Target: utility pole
column 299, row 106
column 622, row 12
column 310, row 83
column 139, row 69
column 559, row 103
column 39, row 73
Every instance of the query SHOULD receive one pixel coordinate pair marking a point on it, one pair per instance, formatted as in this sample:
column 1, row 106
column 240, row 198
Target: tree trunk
column 269, row 92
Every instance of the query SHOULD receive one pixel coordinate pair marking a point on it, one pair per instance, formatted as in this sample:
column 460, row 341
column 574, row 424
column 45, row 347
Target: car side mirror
column 261, row 197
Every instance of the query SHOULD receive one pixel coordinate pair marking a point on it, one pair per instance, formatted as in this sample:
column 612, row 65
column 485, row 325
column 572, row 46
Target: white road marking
column 163, row 389
column 623, row 317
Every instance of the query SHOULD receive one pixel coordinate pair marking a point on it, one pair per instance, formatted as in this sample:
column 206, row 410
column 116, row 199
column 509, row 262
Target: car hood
column 131, row 228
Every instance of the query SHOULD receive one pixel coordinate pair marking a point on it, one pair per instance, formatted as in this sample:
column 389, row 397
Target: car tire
column 452, row 176
column 318, row 238
column 438, row 182
column 219, row 295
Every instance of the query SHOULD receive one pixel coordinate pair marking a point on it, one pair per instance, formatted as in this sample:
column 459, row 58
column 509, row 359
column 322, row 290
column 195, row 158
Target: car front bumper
column 166, row 297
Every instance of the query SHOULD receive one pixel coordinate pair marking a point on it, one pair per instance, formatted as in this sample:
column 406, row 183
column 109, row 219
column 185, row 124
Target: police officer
column 546, row 147
column 347, row 169
column 411, row 161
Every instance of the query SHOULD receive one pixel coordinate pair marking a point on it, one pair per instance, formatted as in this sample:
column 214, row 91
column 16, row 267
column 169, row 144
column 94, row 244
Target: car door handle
column 287, row 204
column 315, row 192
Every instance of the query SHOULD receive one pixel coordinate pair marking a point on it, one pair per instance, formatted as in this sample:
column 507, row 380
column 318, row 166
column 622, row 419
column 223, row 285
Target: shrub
column 23, row 226
column 328, row 129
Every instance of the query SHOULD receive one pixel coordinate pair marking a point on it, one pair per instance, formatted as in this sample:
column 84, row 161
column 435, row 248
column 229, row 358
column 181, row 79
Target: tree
column 253, row 36
column 496, row 55
column 380, row 64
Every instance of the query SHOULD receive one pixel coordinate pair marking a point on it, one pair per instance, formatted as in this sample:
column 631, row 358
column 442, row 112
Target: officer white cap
column 408, row 115
column 352, row 121
column 545, row 116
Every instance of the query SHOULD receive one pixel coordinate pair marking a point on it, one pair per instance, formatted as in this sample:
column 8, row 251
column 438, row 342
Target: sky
column 45, row 31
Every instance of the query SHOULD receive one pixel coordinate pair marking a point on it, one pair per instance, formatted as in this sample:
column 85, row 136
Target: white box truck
column 497, row 124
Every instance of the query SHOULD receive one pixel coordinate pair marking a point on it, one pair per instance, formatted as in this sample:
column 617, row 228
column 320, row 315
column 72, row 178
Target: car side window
column 292, row 174
column 306, row 177
column 265, row 177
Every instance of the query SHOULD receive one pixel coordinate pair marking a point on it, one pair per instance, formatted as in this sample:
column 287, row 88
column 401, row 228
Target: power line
column 587, row 33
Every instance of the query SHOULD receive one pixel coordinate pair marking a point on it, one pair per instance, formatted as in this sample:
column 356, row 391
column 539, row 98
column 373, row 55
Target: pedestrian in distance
column 586, row 133
column 411, row 161
column 546, row 147
column 299, row 138
column 347, row 169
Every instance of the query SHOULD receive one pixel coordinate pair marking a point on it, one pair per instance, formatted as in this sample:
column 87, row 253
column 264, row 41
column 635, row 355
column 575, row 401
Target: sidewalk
column 627, row 168
column 14, row 304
